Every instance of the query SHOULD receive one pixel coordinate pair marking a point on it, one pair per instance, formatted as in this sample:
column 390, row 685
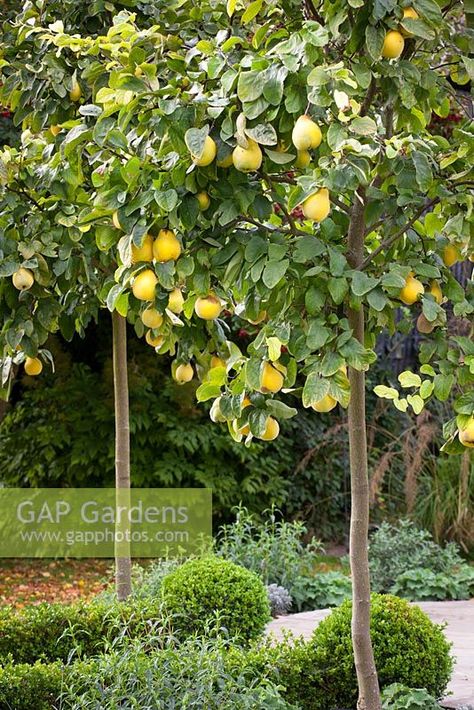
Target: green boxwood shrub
column 51, row 632
column 211, row 590
column 24, row 686
column 320, row 674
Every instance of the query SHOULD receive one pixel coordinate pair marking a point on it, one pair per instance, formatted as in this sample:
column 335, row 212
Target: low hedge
column 51, row 632
column 24, row 686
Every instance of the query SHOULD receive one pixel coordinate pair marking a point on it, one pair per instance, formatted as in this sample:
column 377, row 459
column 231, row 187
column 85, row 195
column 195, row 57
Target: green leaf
column 195, row 138
column 318, row 77
column 205, row 46
column 374, row 38
column 418, row 28
column 105, row 237
column 131, row 169
column 336, row 136
column 315, row 388
column 469, row 65
column 362, row 284
column 409, row 379
column 206, row 391
column 166, row 200
column 386, row 392
column 429, row 10
column 279, row 157
column 307, row 249
column 338, row 288
column 274, row 272
column 121, row 304
column 280, row 410
column 431, row 310
column 274, row 348
column 382, row 8
column 401, row 404
column 433, row 224
column 424, row 175
column 337, row 262
column 416, row 402
column 357, row 356
column 426, row 389
column 263, row 133
column 117, row 139
column 113, row 295
column 314, row 300
column 274, row 84
column 252, row 11
column 318, row 335
column 377, row 299
column 249, row 86
column 443, row 385
column 253, row 370
column 76, row 136
column 393, row 280
column 363, row 126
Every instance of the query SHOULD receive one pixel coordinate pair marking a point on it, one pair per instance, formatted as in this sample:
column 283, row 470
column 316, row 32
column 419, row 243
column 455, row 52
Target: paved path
column 460, row 630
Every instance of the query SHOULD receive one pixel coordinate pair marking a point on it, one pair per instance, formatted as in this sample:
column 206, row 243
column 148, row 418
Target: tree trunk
column 369, row 693
column 123, row 564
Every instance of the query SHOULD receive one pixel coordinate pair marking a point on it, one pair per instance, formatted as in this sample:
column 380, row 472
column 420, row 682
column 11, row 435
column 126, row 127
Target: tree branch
column 387, row 243
column 341, row 205
column 368, row 97
column 23, row 193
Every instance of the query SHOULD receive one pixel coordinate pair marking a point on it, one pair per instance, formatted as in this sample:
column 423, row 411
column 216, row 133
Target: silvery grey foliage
column 280, row 600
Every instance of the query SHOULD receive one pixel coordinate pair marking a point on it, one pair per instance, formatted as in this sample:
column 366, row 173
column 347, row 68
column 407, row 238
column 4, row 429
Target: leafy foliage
column 323, row 590
column 276, row 551
column 422, row 584
column 194, row 674
column 211, row 591
column 129, row 102
column 273, row 548
column 399, row 697
column 400, row 548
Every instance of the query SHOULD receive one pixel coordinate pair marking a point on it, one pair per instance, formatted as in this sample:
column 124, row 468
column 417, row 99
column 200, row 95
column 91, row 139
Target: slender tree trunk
column 122, row 450
column 369, row 693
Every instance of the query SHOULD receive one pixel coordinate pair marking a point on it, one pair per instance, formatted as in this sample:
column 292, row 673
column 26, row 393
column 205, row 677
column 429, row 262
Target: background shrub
column 272, row 548
column 208, row 589
column 423, row 584
column 323, row 590
column 396, row 548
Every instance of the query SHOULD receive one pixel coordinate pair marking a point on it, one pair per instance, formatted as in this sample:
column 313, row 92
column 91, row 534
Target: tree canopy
column 178, row 121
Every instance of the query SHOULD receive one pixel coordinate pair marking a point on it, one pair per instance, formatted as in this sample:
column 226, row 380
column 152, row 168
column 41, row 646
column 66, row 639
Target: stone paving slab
column 459, row 617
